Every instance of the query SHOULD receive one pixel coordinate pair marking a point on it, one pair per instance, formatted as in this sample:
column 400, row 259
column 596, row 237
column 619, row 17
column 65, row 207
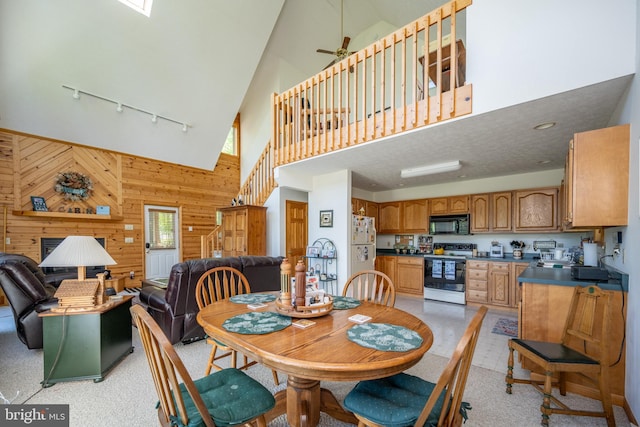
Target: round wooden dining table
column 321, row 352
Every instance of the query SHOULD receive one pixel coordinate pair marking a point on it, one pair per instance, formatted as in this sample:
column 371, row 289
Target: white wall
column 630, row 113
column 333, row 192
column 523, row 50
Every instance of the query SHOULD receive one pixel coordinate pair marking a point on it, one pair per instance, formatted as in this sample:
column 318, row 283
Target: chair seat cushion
column 394, row 401
column 554, row 352
column 231, row 396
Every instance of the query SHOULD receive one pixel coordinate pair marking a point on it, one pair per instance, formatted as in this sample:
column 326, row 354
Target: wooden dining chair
column 406, row 400
column 216, row 284
column 371, row 285
column 582, row 351
column 227, row 397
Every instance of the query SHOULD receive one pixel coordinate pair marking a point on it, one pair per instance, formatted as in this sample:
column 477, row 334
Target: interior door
column 162, row 240
column 296, row 230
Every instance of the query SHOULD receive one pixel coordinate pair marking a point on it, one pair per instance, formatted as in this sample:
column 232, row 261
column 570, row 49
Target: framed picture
column 326, row 218
column 39, row 204
column 313, row 251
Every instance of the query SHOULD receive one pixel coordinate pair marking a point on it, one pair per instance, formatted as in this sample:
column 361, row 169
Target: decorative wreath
column 74, row 186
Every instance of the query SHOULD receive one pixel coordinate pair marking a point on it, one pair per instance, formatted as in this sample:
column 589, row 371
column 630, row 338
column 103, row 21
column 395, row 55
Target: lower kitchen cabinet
column 387, row 264
column 499, row 284
column 410, row 275
column 477, row 278
column 494, row 282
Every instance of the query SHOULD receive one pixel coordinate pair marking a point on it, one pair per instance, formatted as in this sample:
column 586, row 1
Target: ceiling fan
column 342, row 51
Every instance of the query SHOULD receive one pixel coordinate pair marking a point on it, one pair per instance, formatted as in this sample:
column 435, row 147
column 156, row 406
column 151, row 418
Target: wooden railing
column 210, row 243
column 376, row 92
column 385, row 89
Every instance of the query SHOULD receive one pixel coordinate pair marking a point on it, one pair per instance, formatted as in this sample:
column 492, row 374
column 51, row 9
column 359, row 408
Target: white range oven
column 444, row 275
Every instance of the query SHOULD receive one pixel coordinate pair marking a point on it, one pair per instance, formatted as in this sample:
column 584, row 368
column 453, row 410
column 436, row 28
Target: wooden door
column 295, row 230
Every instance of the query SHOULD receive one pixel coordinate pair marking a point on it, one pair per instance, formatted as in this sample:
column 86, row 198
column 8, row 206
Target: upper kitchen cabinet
column 596, row 182
column 390, row 216
column 491, row 212
column 450, row 205
column 370, row 208
column 415, row 216
column 536, row 210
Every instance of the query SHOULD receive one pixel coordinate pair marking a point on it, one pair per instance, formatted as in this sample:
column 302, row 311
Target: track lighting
column 120, row 107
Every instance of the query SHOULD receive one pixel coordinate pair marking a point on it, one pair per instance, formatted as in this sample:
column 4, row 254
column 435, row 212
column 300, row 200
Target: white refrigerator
column 363, row 243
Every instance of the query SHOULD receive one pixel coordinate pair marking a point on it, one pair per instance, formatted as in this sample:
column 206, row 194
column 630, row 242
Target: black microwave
column 449, row 224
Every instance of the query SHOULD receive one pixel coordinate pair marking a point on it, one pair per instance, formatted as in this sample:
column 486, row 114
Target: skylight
column 142, row 6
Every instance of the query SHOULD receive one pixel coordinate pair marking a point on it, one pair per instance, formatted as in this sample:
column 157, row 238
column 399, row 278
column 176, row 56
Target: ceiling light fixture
column 430, row 169
column 543, row 126
column 120, row 106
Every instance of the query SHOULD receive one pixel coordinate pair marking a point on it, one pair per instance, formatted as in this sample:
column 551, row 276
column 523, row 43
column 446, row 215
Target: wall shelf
column 68, row 216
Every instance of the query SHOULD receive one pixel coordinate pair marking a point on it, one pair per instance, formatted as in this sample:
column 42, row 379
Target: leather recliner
column 174, row 308
column 28, row 292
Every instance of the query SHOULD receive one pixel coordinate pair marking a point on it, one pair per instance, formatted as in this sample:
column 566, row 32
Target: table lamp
column 78, row 251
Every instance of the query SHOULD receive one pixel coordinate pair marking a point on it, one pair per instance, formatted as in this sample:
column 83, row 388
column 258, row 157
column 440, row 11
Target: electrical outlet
column 7, row 240
column 132, row 274
column 128, row 227
column 128, row 239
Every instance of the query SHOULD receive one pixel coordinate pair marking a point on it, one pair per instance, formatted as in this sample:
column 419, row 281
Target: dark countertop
column 562, row 277
column 507, row 256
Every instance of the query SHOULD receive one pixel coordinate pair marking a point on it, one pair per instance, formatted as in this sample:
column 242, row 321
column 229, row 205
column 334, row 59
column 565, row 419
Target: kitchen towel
column 436, row 270
column 590, row 254
column 450, row 270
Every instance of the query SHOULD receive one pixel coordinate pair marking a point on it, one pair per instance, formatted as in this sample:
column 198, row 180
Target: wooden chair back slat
column 371, row 285
column 220, row 283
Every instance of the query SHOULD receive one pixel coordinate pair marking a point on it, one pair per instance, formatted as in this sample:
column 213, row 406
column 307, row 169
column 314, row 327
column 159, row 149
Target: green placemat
column 344, row 303
column 252, row 298
column 256, row 322
column 385, row 337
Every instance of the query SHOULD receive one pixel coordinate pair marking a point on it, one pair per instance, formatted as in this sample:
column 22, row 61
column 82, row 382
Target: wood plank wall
column 30, row 164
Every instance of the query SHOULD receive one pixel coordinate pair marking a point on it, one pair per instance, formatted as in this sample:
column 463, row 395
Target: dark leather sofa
column 29, row 292
column 175, row 308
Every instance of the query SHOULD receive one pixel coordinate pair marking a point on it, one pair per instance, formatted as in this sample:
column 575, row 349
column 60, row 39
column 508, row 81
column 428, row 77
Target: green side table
column 86, row 345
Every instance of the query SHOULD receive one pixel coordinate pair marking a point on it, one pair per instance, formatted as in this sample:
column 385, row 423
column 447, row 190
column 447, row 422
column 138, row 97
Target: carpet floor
column 127, row 396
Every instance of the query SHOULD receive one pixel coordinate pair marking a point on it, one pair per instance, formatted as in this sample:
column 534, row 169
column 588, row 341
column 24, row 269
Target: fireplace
column 48, row 244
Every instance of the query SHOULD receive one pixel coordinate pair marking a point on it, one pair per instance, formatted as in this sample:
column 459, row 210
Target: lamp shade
column 78, row 251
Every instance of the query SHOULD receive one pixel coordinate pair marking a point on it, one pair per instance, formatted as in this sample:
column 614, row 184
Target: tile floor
column 448, row 322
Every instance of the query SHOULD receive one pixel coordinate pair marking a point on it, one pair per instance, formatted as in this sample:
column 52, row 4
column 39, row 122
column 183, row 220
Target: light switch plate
column 128, row 227
column 128, row 239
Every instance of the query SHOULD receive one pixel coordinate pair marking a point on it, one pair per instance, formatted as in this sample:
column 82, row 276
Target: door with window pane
column 162, row 240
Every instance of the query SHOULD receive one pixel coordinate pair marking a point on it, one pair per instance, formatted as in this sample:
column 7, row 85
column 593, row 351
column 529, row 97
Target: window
column 232, row 144
column 142, row 6
column 162, row 232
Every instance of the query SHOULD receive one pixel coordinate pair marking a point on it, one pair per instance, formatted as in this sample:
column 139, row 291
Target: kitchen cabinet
column 450, row 205
column 370, row 208
column 516, row 269
column 543, row 313
column 499, row 284
column 596, row 181
column 387, row 264
column 491, row 212
column 536, row 210
column 244, row 230
column 409, row 275
column 415, row 217
column 477, row 279
column 390, row 214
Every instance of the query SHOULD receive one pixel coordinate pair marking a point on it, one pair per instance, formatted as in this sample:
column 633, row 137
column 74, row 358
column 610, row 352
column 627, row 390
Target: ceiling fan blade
column 330, row 52
column 345, row 42
column 330, row 64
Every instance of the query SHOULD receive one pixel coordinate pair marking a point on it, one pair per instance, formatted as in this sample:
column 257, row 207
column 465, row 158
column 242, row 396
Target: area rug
column 505, row 326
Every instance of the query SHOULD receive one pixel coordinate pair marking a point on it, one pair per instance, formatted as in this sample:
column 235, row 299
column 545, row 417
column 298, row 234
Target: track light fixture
column 120, row 107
